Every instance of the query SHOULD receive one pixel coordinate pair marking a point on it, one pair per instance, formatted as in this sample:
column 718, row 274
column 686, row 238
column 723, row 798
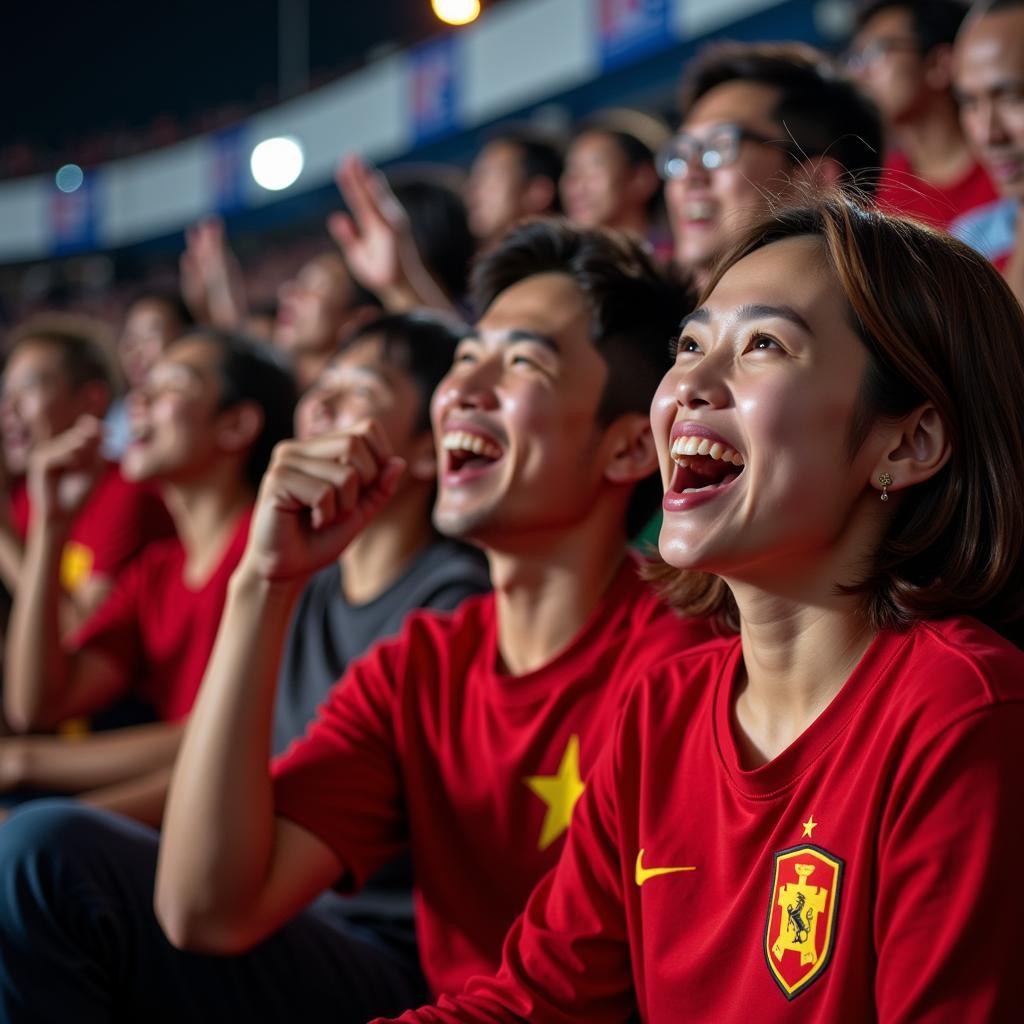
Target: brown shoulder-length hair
column 940, row 325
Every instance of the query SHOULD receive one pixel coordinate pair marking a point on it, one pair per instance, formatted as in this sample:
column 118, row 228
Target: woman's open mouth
column 703, row 469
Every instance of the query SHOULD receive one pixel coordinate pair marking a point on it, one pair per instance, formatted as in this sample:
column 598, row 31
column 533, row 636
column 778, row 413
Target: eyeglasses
column 720, row 148
column 876, row 50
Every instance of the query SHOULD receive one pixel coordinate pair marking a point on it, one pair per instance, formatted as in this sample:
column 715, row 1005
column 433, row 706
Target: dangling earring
column 885, row 479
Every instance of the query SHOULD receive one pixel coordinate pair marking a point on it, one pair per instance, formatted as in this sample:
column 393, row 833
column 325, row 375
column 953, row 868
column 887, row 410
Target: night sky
column 75, row 68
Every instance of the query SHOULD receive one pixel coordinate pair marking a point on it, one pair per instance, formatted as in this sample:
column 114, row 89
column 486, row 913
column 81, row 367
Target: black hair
column 820, row 111
column 250, row 371
column 635, row 306
column 637, row 134
column 540, row 155
column 440, row 227
column 421, row 344
column 933, row 22
column 84, row 348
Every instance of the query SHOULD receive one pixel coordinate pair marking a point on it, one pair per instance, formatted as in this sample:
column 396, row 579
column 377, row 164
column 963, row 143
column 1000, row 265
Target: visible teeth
column 461, row 441
column 699, row 209
column 683, row 446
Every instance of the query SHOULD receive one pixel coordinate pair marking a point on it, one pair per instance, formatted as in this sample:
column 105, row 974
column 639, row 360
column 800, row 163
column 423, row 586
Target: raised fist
column 316, row 497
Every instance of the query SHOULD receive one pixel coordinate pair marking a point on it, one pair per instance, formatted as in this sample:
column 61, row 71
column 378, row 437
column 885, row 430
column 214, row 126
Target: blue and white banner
column 230, row 168
column 630, row 29
column 434, row 81
column 74, row 217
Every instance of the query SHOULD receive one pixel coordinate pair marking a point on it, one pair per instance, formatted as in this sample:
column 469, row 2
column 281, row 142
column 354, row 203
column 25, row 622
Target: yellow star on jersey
column 809, row 826
column 560, row 792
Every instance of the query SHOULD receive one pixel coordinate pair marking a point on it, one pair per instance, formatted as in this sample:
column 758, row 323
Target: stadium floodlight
column 69, row 178
column 277, row 163
column 456, row 12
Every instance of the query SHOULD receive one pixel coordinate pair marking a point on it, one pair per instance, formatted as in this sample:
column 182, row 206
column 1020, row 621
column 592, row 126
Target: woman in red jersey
column 822, row 820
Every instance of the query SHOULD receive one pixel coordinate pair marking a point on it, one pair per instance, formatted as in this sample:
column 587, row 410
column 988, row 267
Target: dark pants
column 79, row 940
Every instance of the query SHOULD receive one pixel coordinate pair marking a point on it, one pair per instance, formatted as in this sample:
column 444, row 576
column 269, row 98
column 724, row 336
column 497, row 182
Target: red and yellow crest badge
column 801, row 929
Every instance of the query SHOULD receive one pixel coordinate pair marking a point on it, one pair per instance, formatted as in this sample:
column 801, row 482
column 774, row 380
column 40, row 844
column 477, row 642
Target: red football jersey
column 901, row 191
column 427, row 743
column 870, row 872
column 158, row 630
column 117, row 520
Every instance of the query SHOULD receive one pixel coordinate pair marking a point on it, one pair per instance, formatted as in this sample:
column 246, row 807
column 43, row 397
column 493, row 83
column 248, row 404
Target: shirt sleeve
column 342, row 779
column 949, row 917
column 566, row 958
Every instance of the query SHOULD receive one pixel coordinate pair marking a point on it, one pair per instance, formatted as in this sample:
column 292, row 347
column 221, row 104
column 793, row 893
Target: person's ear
column 421, row 458
column 538, row 196
column 238, row 427
column 632, row 456
column 916, row 448
column 938, row 68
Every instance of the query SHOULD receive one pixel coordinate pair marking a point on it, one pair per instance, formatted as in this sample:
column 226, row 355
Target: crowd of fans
column 589, row 591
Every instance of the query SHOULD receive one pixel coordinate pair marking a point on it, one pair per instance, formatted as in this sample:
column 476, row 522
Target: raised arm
column 212, row 283
column 378, row 244
column 43, row 682
column 230, row 871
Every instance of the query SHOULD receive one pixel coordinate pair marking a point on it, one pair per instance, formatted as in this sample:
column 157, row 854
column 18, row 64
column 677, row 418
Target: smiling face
column 887, row 63
column 174, row 415
column 39, row 401
column 989, row 83
column 596, row 186
column 359, row 384
column 519, row 445
column 769, row 370
column 495, row 189
column 149, row 328
column 313, row 306
column 710, row 208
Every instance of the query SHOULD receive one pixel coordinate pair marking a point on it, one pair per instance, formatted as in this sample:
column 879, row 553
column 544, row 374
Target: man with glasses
column 901, row 56
column 757, row 122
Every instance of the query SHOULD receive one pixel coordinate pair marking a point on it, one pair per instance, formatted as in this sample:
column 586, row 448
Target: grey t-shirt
column 327, row 633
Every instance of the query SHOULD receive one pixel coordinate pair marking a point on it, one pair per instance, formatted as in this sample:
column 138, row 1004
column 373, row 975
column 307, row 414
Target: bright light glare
column 69, row 178
column 277, row 163
column 456, row 12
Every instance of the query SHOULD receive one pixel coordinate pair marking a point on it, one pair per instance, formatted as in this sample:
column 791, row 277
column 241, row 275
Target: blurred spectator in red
column 989, row 82
column 58, row 369
column 610, row 179
column 515, row 175
column 153, row 321
column 758, row 122
column 204, row 424
column 902, row 57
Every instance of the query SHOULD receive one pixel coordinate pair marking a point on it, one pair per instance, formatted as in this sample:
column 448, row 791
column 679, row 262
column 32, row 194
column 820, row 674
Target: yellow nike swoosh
column 644, row 874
